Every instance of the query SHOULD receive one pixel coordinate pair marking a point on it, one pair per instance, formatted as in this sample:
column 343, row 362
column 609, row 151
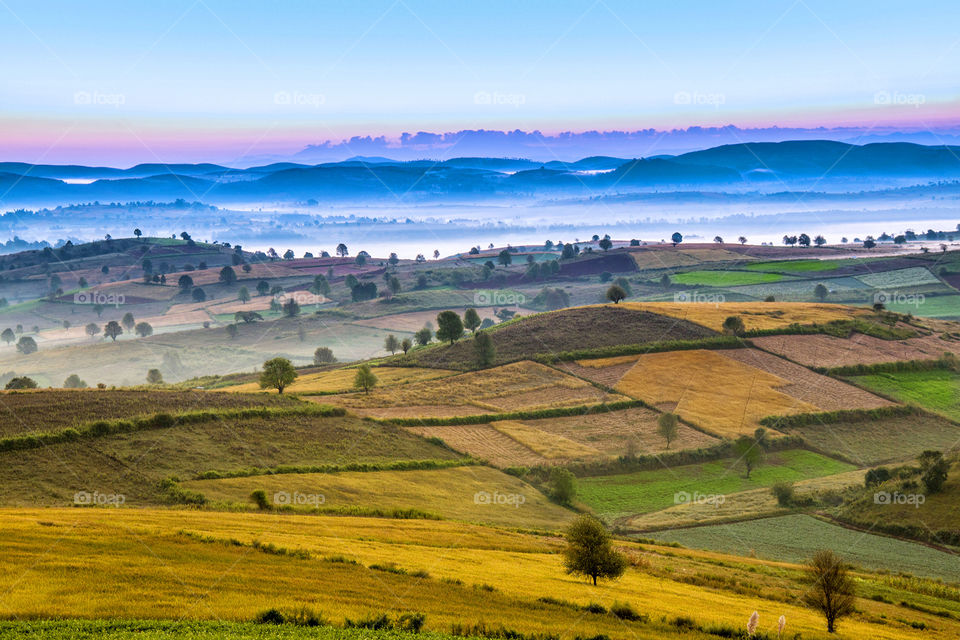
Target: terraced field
column 341, row 380
column 937, row 390
column 899, row 278
column 829, row 351
column 720, row 394
column 755, row 315
column 721, row 278
column 513, row 387
column 483, row 442
column 459, row 493
column 796, row 537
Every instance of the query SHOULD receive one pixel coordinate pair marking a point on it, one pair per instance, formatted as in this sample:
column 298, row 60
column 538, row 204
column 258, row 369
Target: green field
column 937, row 390
column 645, row 491
column 795, row 266
column 724, row 278
column 795, row 538
column 870, row 442
column 931, row 307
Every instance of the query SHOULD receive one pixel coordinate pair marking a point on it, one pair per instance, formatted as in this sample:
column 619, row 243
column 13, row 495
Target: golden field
column 721, row 395
column 755, row 315
column 155, row 564
column 341, row 380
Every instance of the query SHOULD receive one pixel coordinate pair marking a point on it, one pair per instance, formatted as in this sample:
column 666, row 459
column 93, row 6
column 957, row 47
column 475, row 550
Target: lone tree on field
column 423, row 336
column 483, row 347
column 733, row 326
column 92, row 329
column 127, row 321
column 291, row 308
column 449, row 326
column 676, row 238
column 504, row 258
column 563, row 485
column 606, row 244
column 832, row 590
column 112, row 329
column 589, row 552
column 323, row 355
column 185, row 282
column 277, row 374
column 471, row 320
column 391, row 344
column 243, row 295
column 143, row 329
column 667, row 427
column 228, row 275
column 820, row 292
column 154, row 376
column 365, row 379
column 73, row 381
column 616, row 293
column 405, row 345
column 749, row 453
column 9, row 336
column 21, row 382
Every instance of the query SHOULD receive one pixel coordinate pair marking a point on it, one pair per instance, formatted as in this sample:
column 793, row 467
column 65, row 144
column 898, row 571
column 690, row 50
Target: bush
column 784, row 493
column 624, row 611
column 594, row 607
column 411, row 622
column 380, row 622
column 259, row 497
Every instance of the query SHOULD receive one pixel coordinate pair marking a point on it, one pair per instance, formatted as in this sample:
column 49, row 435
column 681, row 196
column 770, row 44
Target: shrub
column 594, row 607
column 259, row 497
column 411, row 622
column 380, row 622
column 784, row 493
column 624, row 611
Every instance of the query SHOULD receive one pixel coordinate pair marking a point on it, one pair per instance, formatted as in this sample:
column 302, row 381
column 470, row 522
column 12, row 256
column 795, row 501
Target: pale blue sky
column 130, row 78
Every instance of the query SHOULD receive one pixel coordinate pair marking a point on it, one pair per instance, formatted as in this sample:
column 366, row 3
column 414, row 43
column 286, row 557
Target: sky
column 120, row 82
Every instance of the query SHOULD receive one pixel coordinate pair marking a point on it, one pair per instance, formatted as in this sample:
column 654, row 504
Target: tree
column 92, row 329
column 676, row 238
column 832, row 591
column 154, row 376
column 21, row 382
column 27, row 345
column 263, row 288
column 869, row 243
column 606, row 244
column 742, row 240
column 449, row 326
column 185, row 282
column 320, row 286
column 323, row 355
column 504, row 258
column 616, row 293
column 73, row 381
column 718, row 239
column 391, row 344
column 291, row 308
column 749, row 453
column 803, row 240
column 819, row 241
column 364, row 380
column 127, row 321
column 471, row 320
column 820, row 292
column 98, row 309
column 198, row 295
column 563, row 485
column 342, row 250
column 243, row 295
column 423, row 336
column 405, row 345
column 733, row 326
column 143, row 329
column 228, row 275
column 232, row 331
column 484, row 349
column 112, row 329
column 248, row 317
column 137, row 233
column 667, row 427
column 277, row 374
column 589, row 553
column 8, row 336
column 935, row 473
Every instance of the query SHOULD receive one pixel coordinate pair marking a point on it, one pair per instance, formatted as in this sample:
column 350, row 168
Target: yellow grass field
column 755, row 315
column 483, row 442
column 719, row 394
column 150, row 564
column 548, row 445
column 456, row 493
column 514, row 387
column 665, row 258
column 341, row 380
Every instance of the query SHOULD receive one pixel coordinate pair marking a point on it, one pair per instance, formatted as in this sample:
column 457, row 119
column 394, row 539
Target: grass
column 55, row 409
column 449, row 493
column 227, row 567
column 937, row 390
column 870, row 442
column 134, row 464
column 547, row 445
column 719, row 394
column 341, row 380
column 794, row 266
column 755, row 315
column 910, row 277
column 722, row 278
column 947, row 306
column 559, row 331
column 513, row 387
column 194, row 630
column 645, row 491
column 795, row 538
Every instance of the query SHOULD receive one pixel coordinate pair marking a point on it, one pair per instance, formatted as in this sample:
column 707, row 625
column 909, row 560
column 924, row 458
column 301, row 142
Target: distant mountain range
column 734, row 166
